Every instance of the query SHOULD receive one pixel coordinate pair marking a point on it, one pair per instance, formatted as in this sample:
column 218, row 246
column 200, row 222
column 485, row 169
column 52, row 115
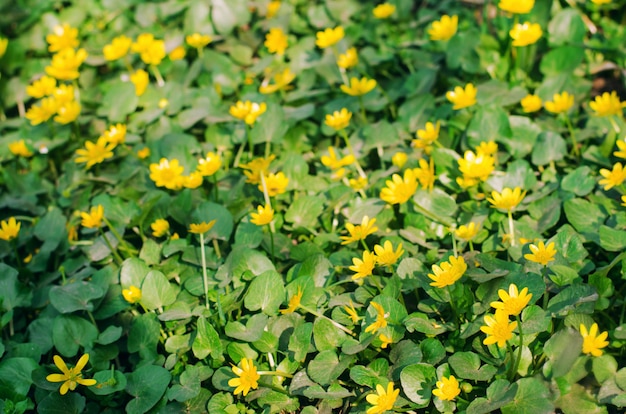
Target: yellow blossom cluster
column 169, row 173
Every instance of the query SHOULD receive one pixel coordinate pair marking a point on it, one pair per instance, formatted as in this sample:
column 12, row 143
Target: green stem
column 344, row 134
column 363, row 114
column 319, row 315
column 471, row 244
column 364, row 245
column 249, row 139
column 454, row 248
column 205, row 280
column 570, row 128
column 511, row 228
column 272, row 243
column 432, row 216
column 157, row 75
column 216, row 246
column 215, row 188
column 521, row 343
column 116, row 256
column 122, row 243
column 276, row 373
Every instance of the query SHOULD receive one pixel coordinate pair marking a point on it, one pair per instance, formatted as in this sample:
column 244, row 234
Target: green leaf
column 490, row 123
column 371, row 375
column 305, row 211
column 567, row 27
column 225, row 15
column 562, row 59
column 118, row 102
column 535, row 320
column 223, row 227
column 604, row 367
column 51, row 228
column 326, row 367
column 326, row 335
column 252, row 331
column 580, row 298
column 70, row 332
column 133, row 272
column 467, row 366
column 266, row 293
column 189, row 386
column 271, row 126
column 579, row 400
column 562, row 350
column 144, row 335
column 55, row 403
column 532, row 397
column 108, row 384
column 499, row 393
column 75, row 296
column 580, row 181
column 586, row 217
column 300, row 341
column 14, row 292
column 157, row 291
column 612, row 240
column 207, row 340
column 550, row 147
column 417, row 382
column 563, row 275
column 15, row 377
column 147, row 385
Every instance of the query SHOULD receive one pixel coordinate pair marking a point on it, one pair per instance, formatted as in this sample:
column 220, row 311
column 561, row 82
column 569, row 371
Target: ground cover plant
column 236, row 206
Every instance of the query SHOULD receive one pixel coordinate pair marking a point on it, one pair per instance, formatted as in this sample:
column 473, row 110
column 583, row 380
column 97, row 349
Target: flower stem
column 116, row 256
column 204, row 274
column 516, row 361
column 215, row 188
column 122, row 243
column 570, row 128
column 511, row 228
column 344, row 134
column 319, row 315
column 454, row 248
column 432, row 216
column 249, row 139
column 275, row 373
column 157, row 75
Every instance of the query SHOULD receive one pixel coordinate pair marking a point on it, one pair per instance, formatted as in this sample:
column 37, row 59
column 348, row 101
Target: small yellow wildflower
column 294, row 302
column 201, row 228
column 531, row 103
column 118, row 48
column 20, row 149
column 248, row 111
column 358, row 183
column 116, row 134
column 352, row 313
column 160, row 227
column 508, row 199
column 541, row 253
column 386, row 341
column 71, row 377
column 359, row 232
column 339, row 119
column 167, row 173
column 476, row 166
column 383, row 400
column 329, row 37
column 272, row 9
column 385, row 255
column 399, row 159
column 444, row 29
column 63, row 94
column 516, row 6
column 198, row 40
column 462, row 97
column 466, row 232
column 65, row 64
column 447, row 389
column 612, row 178
column 399, row 190
column 513, row 301
column 384, row 10
column 9, row 229
column 94, row 154
column 560, row 103
column 42, row 112
column 276, row 41
column 193, row 180
column 331, row 161
column 178, row 53
column 63, row 37
column 498, row 329
column 381, row 319
column 43, row 86
column 4, row 43
column 487, row 148
column 425, row 174
column 525, row 34
column 427, row 136
column 132, row 294
column 67, row 112
column 247, row 377
column 621, row 145
column 365, row 267
column 449, row 272
column 140, row 79
column 92, row 219
column 143, row 153
column 264, row 215
column 592, row 342
column 275, row 184
column 255, row 168
column 359, row 87
column 349, row 59
column 281, row 82
column 209, row 165
column 607, row 104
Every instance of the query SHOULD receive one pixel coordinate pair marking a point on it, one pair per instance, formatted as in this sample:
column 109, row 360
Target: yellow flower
column 354, row 316
column 193, row 180
column 487, row 148
column 198, row 40
column 63, row 37
column 44, row 86
column 67, row 112
column 331, row 161
column 365, row 267
column 349, row 59
column 255, row 168
column 399, row 159
column 516, row 6
column 143, row 43
column 449, row 272
column 476, row 166
column 498, row 329
column 447, row 388
column 462, row 97
column 281, row 81
column 160, row 227
column 4, row 43
column 63, row 94
column 9, row 229
column 383, row 400
column 541, row 253
column 143, row 153
column 272, row 9
column 444, row 29
column 384, row 10
column 94, row 154
column 399, row 190
column 624, row 200
column 613, row 177
column 116, row 134
column 248, row 111
column 118, row 48
column 386, row 341
column 209, row 165
column 358, row 183
column 140, row 79
column 592, row 342
column 264, row 215
column 385, row 255
column 359, row 232
column 329, row 37
column 294, row 302
column 42, row 112
column 177, row 53
column 427, row 136
column 154, row 54
column 508, row 199
column 601, row 1
column 168, row 174
column 560, row 103
column 513, row 301
column 339, row 119
column 163, row 102
column 247, row 377
column 621, row 145
column 359, row 87
column 20, row 149
column 71, row 377
column 531, row 103
column 607, row 104
column 201, row 228
column 381, row 319
column 275, row 184
column 426, row 173
column 92, row 219
column 65, row 64
column 468, row 232
column 132, row 294
column 276, row 41
column 525, row 34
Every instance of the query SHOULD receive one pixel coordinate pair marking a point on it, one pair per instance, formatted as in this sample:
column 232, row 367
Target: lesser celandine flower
column 198, row 40
column 177, row 53
column 386, row 341
column 592, row 342
column 71, row 377
column 540, row 253
column 281, row 81
column 94, row 153
column 167, row 173
column 444, row 29
column 294, row 302
column 42, row 112
column 143, row 153
column 381, row 318
column 399, row 159
column 275, row 184
column 352, row 313
column 272, row 8
column 4, row 43
column 247, row 377
column 62, row 37
column 140, row 79
column 359, row 87
column 93, row 218
column 160, row 227
column 399, row 190
column 255, row 168
column 614, row 177
column 9, row 229
column 63, row 94
column 525, row 34
column 516, row 6
column 358, row 183
column 488, row 148
column 20, row 149
column 349, row 59
column 385, row 255
column 607, row 104
column 209, row 165
column 513, row 301
column 476, row 166
column 508, row 199
column 448, row 273
column 201, row 228
column 276, row 41
column 132, row 294
column 43, row 86
column 425, row 174
column 498, row 328
column 339, row 119
column 531, row 103
column 447, row 389
column 193, row 180
column 624, row 200
column 561, row 102
column 331, row 161
column 363, row 267
column 263, row 216
column 67, row 112
column 360, row 231
column 384, row 10
column 466, row 232
column 462, row 97
column 118, row 48
column 621, row 145
column 65, row 64
column 116, row 134
column 427, row 136
column 248, row 111
column 383, row 400
column 329, row 37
